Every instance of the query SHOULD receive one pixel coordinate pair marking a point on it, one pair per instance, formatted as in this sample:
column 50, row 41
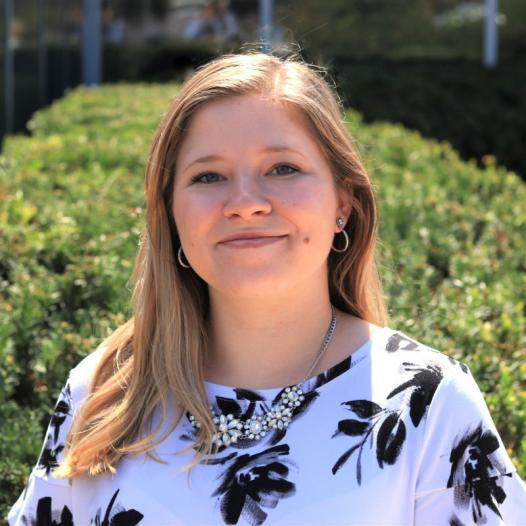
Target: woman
column 258, row 359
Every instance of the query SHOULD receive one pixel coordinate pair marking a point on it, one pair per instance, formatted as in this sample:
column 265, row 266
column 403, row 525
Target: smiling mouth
column 253, row 242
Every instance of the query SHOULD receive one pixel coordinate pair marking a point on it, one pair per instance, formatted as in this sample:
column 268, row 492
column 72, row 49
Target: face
column 248, row 166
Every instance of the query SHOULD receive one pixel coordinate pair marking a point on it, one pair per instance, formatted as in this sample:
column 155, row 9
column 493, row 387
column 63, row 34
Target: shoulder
column 401, row 353
column 80, row 377
column 439, row 394
column 459, row 441
column 408, row 376
column 440, row 389
column 70, row 399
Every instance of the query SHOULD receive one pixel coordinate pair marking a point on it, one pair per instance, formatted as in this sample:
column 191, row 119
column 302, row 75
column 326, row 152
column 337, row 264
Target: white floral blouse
column 398, row 433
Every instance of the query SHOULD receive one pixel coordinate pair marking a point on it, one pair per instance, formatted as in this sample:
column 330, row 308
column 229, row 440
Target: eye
column 206, row 178
column 212, row 177
column 288, row 166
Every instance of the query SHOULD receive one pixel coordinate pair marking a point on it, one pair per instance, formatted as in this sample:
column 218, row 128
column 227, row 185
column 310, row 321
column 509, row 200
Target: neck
column 258, row 345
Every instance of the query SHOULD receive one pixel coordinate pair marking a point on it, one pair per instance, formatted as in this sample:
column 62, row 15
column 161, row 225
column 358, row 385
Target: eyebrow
column 208, row 158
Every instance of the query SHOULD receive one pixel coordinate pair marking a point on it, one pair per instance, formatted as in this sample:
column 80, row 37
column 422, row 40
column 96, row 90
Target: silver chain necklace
column 230, row 429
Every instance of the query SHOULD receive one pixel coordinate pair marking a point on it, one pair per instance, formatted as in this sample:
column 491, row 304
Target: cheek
column 312, row 208
column 189, row 215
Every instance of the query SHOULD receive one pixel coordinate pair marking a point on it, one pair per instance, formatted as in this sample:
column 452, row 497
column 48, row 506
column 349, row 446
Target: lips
column 250, row 235
column 252, row 242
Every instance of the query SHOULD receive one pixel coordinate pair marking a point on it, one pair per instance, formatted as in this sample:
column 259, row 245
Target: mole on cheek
column 306, row 240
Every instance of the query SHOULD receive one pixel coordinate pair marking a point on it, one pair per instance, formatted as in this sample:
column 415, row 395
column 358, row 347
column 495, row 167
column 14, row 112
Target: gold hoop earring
column 180, row 258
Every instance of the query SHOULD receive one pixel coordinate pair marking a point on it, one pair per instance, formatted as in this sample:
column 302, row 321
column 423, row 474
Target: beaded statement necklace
column 230, row 429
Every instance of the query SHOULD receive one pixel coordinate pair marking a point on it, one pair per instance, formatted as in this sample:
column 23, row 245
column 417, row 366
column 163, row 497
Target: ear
column 344, row 207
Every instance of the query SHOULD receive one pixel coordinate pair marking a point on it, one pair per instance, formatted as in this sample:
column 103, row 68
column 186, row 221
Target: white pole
column 265, row 24
column 91, row 43
column 490, row 34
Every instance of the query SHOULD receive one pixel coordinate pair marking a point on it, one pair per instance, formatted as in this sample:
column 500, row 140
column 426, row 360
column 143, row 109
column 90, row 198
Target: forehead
column 246, row 123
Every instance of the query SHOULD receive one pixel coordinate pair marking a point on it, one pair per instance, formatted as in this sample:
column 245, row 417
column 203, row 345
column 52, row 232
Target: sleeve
column 465, row 475
column 46, row 500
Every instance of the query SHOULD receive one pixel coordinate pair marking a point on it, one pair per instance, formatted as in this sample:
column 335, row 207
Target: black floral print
column 333, row 372
column 52, row 448
column 422, row 386
column 116, row 515
column 455, row 521
column 475, row 473
column 391, row 432
column 46, row 516
column 398, row 342
column 401, row 342
column 253, row 482
column 389, row 439
column 463, row 367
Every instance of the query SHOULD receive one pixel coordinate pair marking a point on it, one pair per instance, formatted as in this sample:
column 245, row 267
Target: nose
column 246, row 198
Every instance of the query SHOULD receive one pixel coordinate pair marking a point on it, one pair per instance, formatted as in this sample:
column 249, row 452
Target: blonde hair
column 158, row 353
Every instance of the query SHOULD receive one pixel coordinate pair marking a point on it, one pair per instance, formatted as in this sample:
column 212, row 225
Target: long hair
column 157, row 356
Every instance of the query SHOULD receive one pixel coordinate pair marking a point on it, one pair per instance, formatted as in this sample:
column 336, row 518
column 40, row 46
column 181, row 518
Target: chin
column 253, row 282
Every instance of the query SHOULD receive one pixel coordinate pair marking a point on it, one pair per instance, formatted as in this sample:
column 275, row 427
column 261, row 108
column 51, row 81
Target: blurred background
column 435, row 98
column 417, row 62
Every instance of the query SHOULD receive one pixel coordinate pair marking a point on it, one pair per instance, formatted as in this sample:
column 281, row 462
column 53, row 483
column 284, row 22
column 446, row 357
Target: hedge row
column 452, row 244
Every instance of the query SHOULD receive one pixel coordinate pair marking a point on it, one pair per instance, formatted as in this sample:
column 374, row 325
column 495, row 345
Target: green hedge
column 452, row 244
